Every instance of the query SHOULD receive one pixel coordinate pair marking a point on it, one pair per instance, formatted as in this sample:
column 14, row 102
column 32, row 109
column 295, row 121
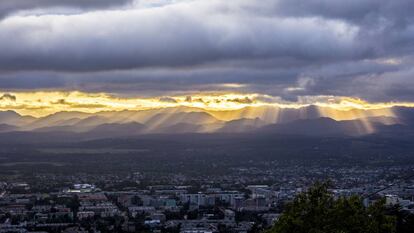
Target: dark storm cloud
column 180, row 35
column 149, row 81
column 286, row 48
column 31, row 80
column 386, row 27
column 356, row 11
column 8, row 7
column 367, row 80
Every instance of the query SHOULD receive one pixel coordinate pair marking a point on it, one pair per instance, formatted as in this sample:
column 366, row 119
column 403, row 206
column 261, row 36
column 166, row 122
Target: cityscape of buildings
column 246, row 199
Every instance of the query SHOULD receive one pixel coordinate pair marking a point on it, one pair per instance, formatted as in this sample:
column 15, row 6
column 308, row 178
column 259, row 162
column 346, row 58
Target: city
column 244, row 199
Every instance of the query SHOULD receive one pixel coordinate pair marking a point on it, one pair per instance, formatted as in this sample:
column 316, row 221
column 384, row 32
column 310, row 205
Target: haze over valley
column 307, row 120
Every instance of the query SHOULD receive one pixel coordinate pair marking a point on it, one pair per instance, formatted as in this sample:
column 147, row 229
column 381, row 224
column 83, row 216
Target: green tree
column 317, row 211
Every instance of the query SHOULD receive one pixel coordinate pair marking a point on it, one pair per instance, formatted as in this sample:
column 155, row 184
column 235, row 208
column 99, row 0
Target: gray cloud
column 283, row 48
column 183, row 35
column 8, row 7
column 386, row 27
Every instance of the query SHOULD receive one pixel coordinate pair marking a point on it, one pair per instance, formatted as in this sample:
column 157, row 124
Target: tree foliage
column 317, row 211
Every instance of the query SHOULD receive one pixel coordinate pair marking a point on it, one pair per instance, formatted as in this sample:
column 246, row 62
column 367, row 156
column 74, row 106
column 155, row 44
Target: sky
column 244, row 51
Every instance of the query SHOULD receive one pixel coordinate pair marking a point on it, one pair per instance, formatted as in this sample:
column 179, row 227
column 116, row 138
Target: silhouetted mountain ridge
column 309, row 120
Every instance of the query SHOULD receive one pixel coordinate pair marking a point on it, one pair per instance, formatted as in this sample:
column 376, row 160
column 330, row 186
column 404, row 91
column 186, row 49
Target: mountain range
column 309, row 120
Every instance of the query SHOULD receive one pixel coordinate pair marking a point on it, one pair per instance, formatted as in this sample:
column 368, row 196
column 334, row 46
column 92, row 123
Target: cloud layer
column 10, row 7
column 282, row 48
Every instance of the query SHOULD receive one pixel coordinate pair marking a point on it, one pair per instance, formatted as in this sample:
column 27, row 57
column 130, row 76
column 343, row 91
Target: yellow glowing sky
column 43, row 103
